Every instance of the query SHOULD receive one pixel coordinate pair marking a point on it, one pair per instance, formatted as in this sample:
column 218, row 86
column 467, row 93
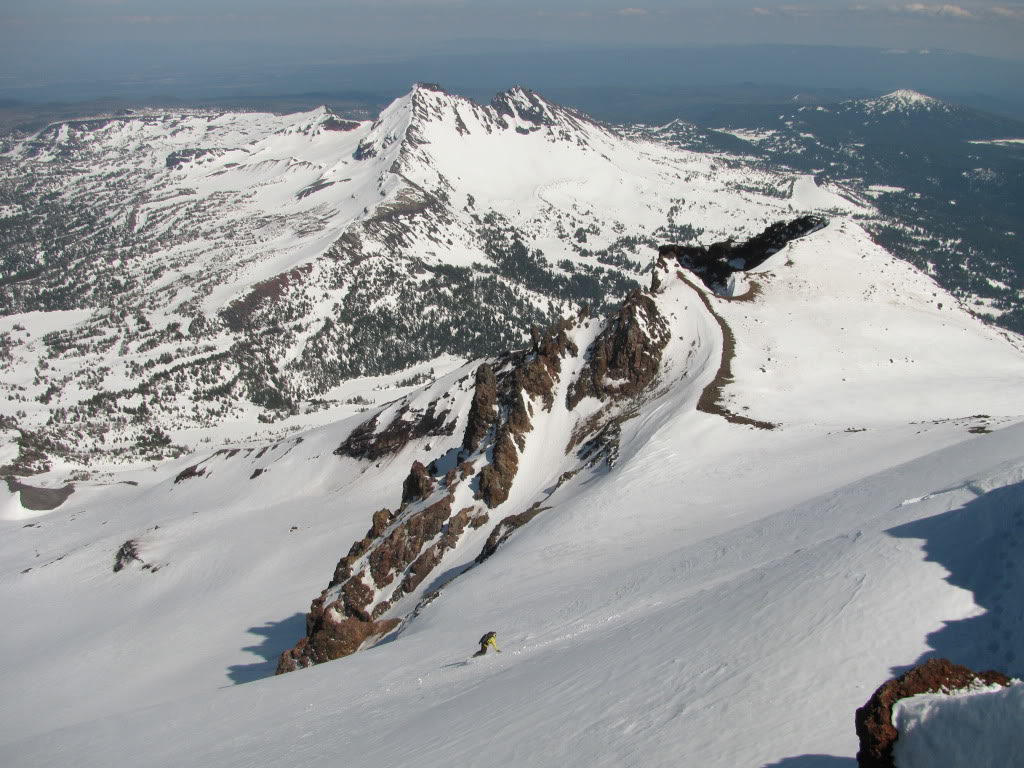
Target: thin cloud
column 147, row 19
column 948, row 11
column 782, row 10
column 1016, row 14
column 633, row 12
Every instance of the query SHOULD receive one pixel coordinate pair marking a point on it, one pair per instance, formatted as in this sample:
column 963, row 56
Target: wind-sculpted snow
column 203, row 272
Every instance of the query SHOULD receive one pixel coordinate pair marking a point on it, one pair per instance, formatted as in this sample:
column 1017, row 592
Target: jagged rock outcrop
column 402, row 548
column 482, row 413
column 496, row 478
column 366, row 442
column 874, row 720
column 624, row 359
column 127, row 554
column 715, row 263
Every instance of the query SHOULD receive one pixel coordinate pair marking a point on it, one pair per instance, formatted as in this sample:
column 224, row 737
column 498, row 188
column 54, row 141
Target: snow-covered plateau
column 705, row 527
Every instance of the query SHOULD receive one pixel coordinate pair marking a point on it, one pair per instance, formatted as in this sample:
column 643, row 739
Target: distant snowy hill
column 169, row 279
column 705, row 528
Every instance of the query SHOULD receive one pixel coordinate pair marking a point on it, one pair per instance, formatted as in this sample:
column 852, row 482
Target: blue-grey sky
column 978, row 27
column 42, row 41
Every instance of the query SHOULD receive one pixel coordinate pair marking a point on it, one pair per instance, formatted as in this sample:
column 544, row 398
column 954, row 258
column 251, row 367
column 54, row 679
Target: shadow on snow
column 981, row 544
column 278, row 636
column 814, row 761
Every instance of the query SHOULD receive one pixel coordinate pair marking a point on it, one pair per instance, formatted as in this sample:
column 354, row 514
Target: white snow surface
column 979, row 728
column 724, row 596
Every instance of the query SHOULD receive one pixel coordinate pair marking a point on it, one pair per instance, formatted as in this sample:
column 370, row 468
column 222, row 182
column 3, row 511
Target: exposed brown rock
column 456, row 526
column 710, row 400
column 332, row 638
column 496, row 478
column 381, row 518
column 482, row 411
column 401, row 549
column 505, row 528
column 337, row 628
column 624, row 359
column 189, row 472
column 365, row 442
column 418, row 484
column 356, row 596
column 238, row 314
column 422, row 566
column 874, row 720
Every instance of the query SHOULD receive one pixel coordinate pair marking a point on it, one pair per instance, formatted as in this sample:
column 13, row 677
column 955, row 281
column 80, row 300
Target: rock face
column 624, row 359
column 715, row 263
column 874, row 720
column 482, row 413
column 366, row 442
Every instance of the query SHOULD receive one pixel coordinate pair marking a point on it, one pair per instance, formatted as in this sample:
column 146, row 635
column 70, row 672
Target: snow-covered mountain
column 704, row 527
column 903, row 101
column 170, row 277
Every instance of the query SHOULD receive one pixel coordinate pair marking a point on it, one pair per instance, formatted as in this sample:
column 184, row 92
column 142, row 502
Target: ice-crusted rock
column 874, row 725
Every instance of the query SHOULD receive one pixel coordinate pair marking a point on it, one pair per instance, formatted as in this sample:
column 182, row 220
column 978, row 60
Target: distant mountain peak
column 903, row 100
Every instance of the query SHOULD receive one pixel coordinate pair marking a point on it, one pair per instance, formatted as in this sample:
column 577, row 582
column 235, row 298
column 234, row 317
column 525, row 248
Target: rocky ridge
column 594, row 372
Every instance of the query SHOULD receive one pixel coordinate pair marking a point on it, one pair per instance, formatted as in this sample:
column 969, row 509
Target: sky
column 46, row 41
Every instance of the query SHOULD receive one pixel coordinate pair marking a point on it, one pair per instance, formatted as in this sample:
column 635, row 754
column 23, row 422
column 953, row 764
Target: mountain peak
column 903, row 100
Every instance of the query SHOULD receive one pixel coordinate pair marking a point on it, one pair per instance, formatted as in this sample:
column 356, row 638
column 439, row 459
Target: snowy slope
column 742, row 648
column 721, row 594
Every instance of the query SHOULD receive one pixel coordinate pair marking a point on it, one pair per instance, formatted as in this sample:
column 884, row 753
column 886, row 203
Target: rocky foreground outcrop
column 874, row 720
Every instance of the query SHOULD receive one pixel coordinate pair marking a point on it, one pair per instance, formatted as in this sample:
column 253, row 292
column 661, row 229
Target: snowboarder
column 491, row 638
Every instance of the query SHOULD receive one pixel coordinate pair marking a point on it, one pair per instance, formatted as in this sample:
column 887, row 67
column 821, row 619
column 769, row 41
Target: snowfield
column 723, row 596
column 822, row 485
